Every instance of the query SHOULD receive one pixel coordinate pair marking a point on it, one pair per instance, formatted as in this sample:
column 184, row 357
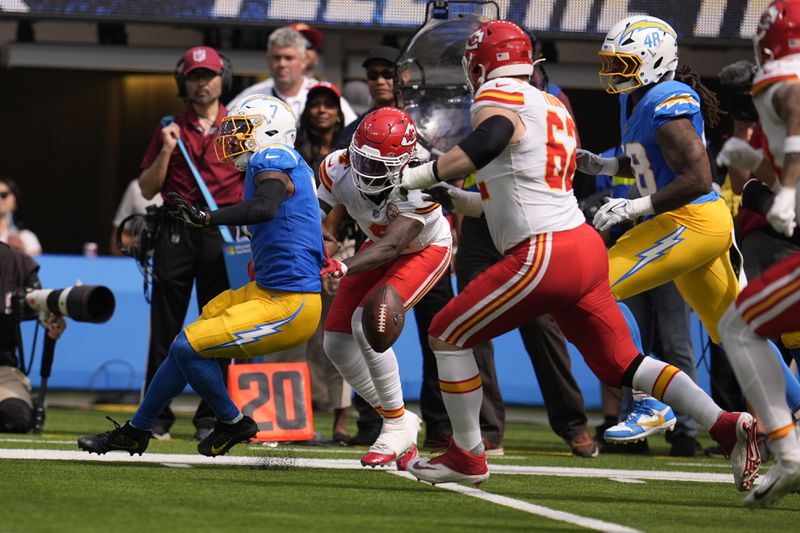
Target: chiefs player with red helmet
column 523, row 147
column 770, row 304
column 408, row 248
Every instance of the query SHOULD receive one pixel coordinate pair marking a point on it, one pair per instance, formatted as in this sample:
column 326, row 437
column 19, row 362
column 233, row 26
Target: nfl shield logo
column 199, row 55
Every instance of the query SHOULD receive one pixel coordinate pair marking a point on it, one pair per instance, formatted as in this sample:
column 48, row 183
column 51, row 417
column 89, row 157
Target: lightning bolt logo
column 654, row 252
column 259, row 332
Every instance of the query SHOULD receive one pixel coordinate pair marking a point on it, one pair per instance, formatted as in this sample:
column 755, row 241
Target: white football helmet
column 253, row 123
column 637, row 51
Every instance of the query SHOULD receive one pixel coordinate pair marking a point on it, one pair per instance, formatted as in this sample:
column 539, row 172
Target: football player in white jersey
column 409, row 248
column 770, row 305
column 523, row 147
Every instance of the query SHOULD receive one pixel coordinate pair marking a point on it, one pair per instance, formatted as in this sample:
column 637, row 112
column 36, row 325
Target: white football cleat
column 782, row 479
column 454, row 465
column 398, row 438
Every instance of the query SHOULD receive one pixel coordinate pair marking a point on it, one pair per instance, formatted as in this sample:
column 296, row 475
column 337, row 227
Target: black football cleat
column 226, row 436
column 122, row 438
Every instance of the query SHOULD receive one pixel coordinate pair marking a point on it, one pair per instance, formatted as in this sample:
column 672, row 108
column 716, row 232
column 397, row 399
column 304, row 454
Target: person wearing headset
column 182, row 257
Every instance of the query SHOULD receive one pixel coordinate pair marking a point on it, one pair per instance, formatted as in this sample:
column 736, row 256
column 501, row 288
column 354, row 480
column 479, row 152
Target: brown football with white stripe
column 383, row 318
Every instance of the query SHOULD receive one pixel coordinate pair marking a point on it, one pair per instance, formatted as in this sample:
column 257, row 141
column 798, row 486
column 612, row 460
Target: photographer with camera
column 182, row 257
column 18, row 272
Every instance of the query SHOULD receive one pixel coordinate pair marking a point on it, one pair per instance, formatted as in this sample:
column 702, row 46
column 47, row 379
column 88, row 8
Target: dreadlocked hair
column 709, row 103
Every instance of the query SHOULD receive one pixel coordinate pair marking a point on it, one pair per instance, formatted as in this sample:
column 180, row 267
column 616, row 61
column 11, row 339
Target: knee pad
column 16, row 416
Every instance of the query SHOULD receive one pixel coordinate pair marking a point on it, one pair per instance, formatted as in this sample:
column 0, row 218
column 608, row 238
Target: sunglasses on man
column 373, row 75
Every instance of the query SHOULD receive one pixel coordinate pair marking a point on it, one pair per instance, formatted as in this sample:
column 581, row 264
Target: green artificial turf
column 278, row 495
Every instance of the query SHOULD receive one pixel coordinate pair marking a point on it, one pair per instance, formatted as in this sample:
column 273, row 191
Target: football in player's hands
column 383, row 317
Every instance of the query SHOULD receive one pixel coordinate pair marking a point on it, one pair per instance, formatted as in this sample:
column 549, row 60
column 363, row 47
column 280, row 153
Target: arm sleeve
column 261, row 208
column 488, row 140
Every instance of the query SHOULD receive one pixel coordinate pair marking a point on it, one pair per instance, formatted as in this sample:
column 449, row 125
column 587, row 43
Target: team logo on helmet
column 410, row 135
column 474, row 40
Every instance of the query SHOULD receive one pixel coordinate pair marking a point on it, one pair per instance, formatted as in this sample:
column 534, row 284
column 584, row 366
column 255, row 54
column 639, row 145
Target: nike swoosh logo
column 762, row 491
column 653, row 423
column 217, row 451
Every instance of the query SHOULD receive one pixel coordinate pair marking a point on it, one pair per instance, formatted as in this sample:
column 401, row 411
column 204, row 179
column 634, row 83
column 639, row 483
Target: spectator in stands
column 381, row 68
column 287, row 59
column 133, row 202
column 11, row 231
column 183, row 256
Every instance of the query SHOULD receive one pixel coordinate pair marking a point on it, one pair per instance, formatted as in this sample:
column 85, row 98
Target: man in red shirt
column 183, row 256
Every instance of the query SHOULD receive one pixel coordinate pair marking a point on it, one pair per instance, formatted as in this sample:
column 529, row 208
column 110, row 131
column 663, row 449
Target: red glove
column 333, row 268
column 251, row 270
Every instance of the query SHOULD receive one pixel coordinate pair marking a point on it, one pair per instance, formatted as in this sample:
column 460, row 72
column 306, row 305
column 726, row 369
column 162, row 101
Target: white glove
column 594, row 164
column 781, row 214
column 420, row 177
column 737, row 153
column 617, row 210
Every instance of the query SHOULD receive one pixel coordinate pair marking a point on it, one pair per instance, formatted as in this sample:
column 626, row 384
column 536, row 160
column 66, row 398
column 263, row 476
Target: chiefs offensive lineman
column 409, row 248
column 770, row 305
column 523, row 147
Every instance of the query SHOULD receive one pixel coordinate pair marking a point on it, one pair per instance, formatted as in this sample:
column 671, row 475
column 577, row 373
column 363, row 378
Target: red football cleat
column 736, row 435
column 454, row 465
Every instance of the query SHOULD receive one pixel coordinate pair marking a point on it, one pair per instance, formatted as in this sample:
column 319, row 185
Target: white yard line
column 532, row 508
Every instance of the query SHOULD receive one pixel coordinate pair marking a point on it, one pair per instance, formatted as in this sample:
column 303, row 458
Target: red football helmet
column 778, row 32
column 497, row 48
column 381, row 147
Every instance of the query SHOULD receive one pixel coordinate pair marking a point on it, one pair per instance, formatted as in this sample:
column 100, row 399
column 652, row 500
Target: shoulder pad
column 333, row 168
column 775, row 72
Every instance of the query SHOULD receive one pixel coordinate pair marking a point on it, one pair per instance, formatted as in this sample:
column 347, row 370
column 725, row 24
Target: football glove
column 455, row 199
column 781, row 214
column 419, row 177
column 617, row 210
column 737, row 153
column 594, row 164
column 189, row 214
column 333, row 268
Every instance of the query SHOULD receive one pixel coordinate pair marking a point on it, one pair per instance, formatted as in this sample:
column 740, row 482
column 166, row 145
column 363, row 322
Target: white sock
column 760, row 376
column 671, row 386
column 383, row 369
column 345, row 355
column 460, row 383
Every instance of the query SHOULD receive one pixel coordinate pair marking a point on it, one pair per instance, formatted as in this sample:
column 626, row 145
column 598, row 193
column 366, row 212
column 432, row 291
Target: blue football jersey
column 663, row 102
column 287, row 250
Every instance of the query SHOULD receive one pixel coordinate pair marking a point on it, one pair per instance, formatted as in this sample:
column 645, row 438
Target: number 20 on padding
column 277, row 396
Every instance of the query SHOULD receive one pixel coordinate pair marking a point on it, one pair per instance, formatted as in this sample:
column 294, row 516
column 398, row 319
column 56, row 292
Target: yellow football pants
column 251, row 321
column 671, row 247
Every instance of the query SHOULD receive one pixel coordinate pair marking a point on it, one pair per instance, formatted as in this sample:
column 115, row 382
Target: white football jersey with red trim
column 527, row 189
column 337, row 186
column 774, row 74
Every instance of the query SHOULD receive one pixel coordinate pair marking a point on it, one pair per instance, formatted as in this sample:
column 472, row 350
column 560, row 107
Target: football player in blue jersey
column 278, row 310
column 689, row 229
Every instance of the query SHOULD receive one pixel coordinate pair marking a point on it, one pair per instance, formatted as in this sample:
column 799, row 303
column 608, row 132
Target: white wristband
column 642, row 206
column 791, row 144
column 610, row 166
